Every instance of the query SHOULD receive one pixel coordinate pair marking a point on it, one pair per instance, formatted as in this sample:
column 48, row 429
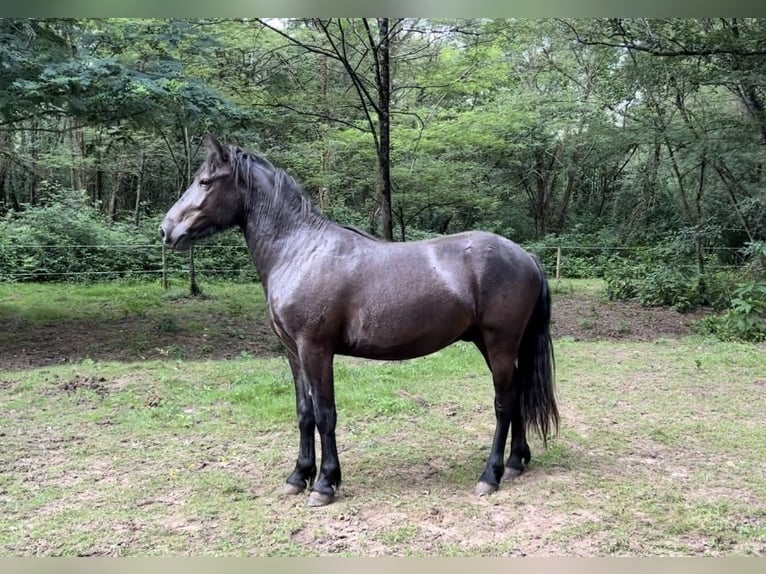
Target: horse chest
column 296, row 317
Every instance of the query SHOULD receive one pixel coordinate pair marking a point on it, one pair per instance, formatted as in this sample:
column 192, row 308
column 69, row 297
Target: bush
column 755, row 253
column 661, row 277
column 745, row 319
column 68, row 240
column 584, row 254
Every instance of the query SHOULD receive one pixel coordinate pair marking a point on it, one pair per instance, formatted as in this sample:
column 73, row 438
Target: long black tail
column 536, row 368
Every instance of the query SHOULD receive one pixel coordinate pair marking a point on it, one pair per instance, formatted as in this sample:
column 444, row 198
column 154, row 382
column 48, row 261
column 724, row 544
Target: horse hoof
column 291, row 489
column 511, row 473
column 485, row 488
column 319, row 499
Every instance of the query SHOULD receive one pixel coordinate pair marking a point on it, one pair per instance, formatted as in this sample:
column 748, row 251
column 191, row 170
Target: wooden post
column 164, row 269
column 558, row 263
column 194, row 289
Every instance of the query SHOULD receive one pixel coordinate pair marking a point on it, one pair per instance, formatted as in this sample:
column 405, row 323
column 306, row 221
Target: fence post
column 164, row 268
column 558, row 263
column 194, row 289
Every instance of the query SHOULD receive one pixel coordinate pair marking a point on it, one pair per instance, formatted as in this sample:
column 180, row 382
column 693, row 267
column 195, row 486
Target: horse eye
column 205, row 182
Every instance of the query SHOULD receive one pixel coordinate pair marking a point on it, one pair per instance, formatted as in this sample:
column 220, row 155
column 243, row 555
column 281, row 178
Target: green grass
column 44, row 303
column 655, row 456
column 576, row 286
column 662, row 451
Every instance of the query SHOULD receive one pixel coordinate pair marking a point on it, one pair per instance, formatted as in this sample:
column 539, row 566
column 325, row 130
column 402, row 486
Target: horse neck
column 278, row 230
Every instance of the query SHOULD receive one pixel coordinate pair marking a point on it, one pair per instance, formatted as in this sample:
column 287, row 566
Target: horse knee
column 306, row 421
column 326, row 418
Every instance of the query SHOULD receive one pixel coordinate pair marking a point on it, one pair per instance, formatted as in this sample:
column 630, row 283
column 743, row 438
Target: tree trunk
column 566, row 199
column 77, row 174
column 351, row 58
column 32, row 181
column 116, row 185
column 139, row 186
column 729, row 183
column 324, row 191
column 384, row 125
column 188, row 152
column 698, row 246
column 690, row 219
column 5, row 168
column 745, row 89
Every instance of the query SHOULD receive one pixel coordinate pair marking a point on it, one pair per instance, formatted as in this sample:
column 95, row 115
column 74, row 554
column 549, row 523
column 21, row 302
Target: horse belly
column 404, row 331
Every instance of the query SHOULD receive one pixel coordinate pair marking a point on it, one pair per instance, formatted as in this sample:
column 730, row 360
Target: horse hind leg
column 520, row 453
column 501, row 363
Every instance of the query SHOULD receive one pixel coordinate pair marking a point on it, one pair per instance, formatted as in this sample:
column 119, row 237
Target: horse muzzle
column 172, row 238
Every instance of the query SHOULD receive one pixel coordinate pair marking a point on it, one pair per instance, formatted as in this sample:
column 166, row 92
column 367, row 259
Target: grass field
column 662, row 449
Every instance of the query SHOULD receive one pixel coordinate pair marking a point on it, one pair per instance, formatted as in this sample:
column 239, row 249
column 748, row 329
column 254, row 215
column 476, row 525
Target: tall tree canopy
column 632, row 128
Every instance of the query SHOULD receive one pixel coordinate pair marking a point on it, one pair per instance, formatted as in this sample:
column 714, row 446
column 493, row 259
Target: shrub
column 661, row 276
column 68, row 240
column 584, row 254
column 746, row 317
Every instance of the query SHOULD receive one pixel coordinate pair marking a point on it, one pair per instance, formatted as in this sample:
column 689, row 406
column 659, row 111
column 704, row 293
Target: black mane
column 275, row 186
column 257, row 172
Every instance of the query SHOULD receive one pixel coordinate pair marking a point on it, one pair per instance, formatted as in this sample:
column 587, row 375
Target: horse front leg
column 305, row 466
column 317, row 368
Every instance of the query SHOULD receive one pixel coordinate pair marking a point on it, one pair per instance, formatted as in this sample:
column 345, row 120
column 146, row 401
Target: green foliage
column 661, row 276
column 755, row 253
column 664, row 276
column 223, row 256
column 68, row 240
column 585, row 254
column 115, row 70
column 670, row 286
column 745, row 319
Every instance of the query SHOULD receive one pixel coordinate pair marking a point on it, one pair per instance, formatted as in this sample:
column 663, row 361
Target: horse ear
column 216, row 150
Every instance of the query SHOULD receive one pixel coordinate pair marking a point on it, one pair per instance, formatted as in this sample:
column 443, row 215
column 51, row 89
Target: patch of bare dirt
column 27, row 345
column 95, row 384
column 228, row 336
column 589, row 318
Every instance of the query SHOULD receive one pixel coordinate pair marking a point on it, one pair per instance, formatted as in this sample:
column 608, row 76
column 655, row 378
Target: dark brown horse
column 332, row 289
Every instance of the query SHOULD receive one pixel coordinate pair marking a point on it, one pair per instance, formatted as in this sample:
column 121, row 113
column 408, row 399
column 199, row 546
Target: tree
column 362, row 47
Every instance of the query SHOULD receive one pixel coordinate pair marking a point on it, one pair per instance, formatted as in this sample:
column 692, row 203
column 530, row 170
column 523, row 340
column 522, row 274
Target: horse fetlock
column 305, row 471
column 515, row 465
column 520, row 456
column 491, row 476
column 300, row 479
column 526, row 455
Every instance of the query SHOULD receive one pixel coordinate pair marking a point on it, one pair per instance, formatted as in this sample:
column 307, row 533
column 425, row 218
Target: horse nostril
column 162, row 232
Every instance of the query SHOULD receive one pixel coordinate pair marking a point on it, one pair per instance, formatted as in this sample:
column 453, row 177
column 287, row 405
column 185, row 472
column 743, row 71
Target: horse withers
column 333, row 289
